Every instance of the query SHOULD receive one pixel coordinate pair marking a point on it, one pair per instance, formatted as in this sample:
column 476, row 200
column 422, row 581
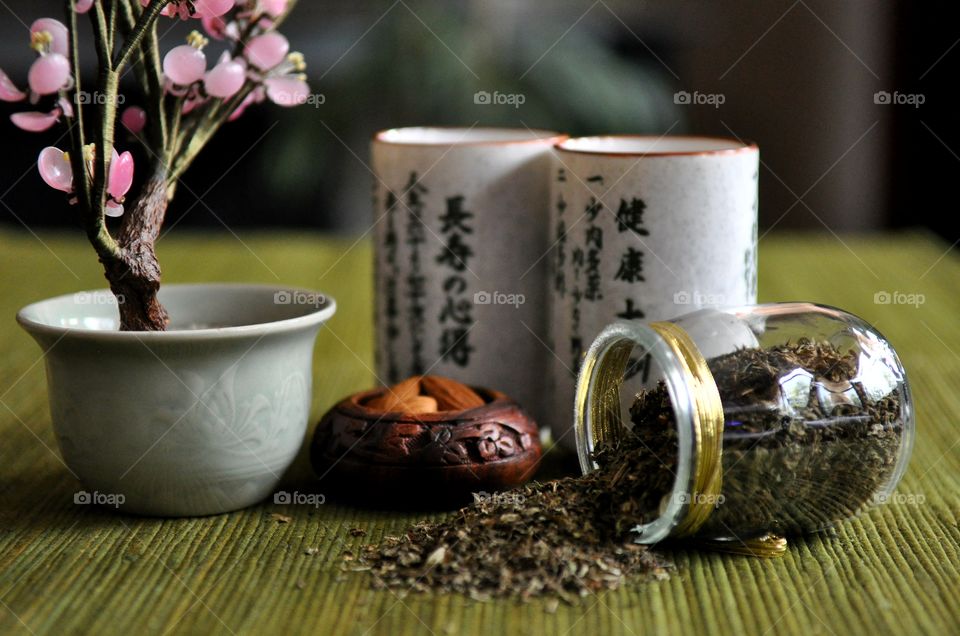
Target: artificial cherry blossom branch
column 186, row 101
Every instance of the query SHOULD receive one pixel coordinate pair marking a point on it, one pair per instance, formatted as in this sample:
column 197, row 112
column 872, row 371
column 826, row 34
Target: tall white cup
column 460, row 240
column 644, row 228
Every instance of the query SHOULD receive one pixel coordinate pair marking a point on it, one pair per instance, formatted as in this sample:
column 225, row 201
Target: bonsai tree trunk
column 134, row 272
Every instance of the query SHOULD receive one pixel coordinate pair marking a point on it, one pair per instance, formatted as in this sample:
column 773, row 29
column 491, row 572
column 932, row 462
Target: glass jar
column 787, row 418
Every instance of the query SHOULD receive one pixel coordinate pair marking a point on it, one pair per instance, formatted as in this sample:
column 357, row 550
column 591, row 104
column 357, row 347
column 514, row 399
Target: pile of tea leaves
column 805, row 444
column 563, row 539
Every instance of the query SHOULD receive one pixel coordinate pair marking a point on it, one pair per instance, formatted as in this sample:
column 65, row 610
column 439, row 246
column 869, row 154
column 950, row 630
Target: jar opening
column 628, row 358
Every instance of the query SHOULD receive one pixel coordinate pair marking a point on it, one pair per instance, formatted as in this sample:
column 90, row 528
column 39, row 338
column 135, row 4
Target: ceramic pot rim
column 499, row 135
column 738, row 146
column 311, row 318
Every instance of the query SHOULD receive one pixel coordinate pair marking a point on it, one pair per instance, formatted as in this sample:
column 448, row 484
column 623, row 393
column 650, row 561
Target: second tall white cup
column 644, row 228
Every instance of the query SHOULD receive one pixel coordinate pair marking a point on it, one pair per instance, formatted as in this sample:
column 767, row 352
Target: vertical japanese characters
column 456, row 315
column 416, row 281
column 455, row 312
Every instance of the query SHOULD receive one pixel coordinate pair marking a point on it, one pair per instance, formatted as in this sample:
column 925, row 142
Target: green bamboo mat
column 70, row 569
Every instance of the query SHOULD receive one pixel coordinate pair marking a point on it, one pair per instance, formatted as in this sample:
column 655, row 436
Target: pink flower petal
column 113, row 208
column 267, row 50
column 287, row 91
column 57, row 30
column 82, row 6
column 215, row 26
column 184, row 64
column 55, row 169
column 212, row 8
column 273, row 8
column 8, row 90
column 49, row 73
column 192, row 104
column 134, row 119
column 121, row 174
column 252, row 98
column 66, row 108
column 170, row 10
column 34, row 121
column 225, row 79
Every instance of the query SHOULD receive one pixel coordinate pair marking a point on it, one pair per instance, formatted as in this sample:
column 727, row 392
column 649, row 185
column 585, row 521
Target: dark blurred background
column 815, row 82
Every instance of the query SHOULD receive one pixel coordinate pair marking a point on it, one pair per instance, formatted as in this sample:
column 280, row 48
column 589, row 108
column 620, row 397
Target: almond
column 394, row 398
column 420, row 404
column 426, row 394
column 450, row 394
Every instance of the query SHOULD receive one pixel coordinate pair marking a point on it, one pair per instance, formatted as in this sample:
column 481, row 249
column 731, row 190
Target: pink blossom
column 8, row 90
column 121, row 178
column 287, row 90
column 284, row 85
column 82, row 6
column 49, row 73
column 134, row 119
column 215, row 26
column 58, row 32
column 33, row 121
column 56, row 171
column 267, row 51
column 184, row 64
column 225, row 79
column 202, row 8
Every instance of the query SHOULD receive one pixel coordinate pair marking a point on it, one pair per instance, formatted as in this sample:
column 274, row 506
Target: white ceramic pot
column 200, row 419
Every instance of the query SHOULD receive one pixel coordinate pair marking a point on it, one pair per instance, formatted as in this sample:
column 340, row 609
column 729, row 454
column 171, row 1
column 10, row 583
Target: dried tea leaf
column 436, row 557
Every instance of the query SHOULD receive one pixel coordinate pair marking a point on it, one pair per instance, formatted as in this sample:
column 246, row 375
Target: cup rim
column 322, row 312
column 743, row 146
column 540, row 136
